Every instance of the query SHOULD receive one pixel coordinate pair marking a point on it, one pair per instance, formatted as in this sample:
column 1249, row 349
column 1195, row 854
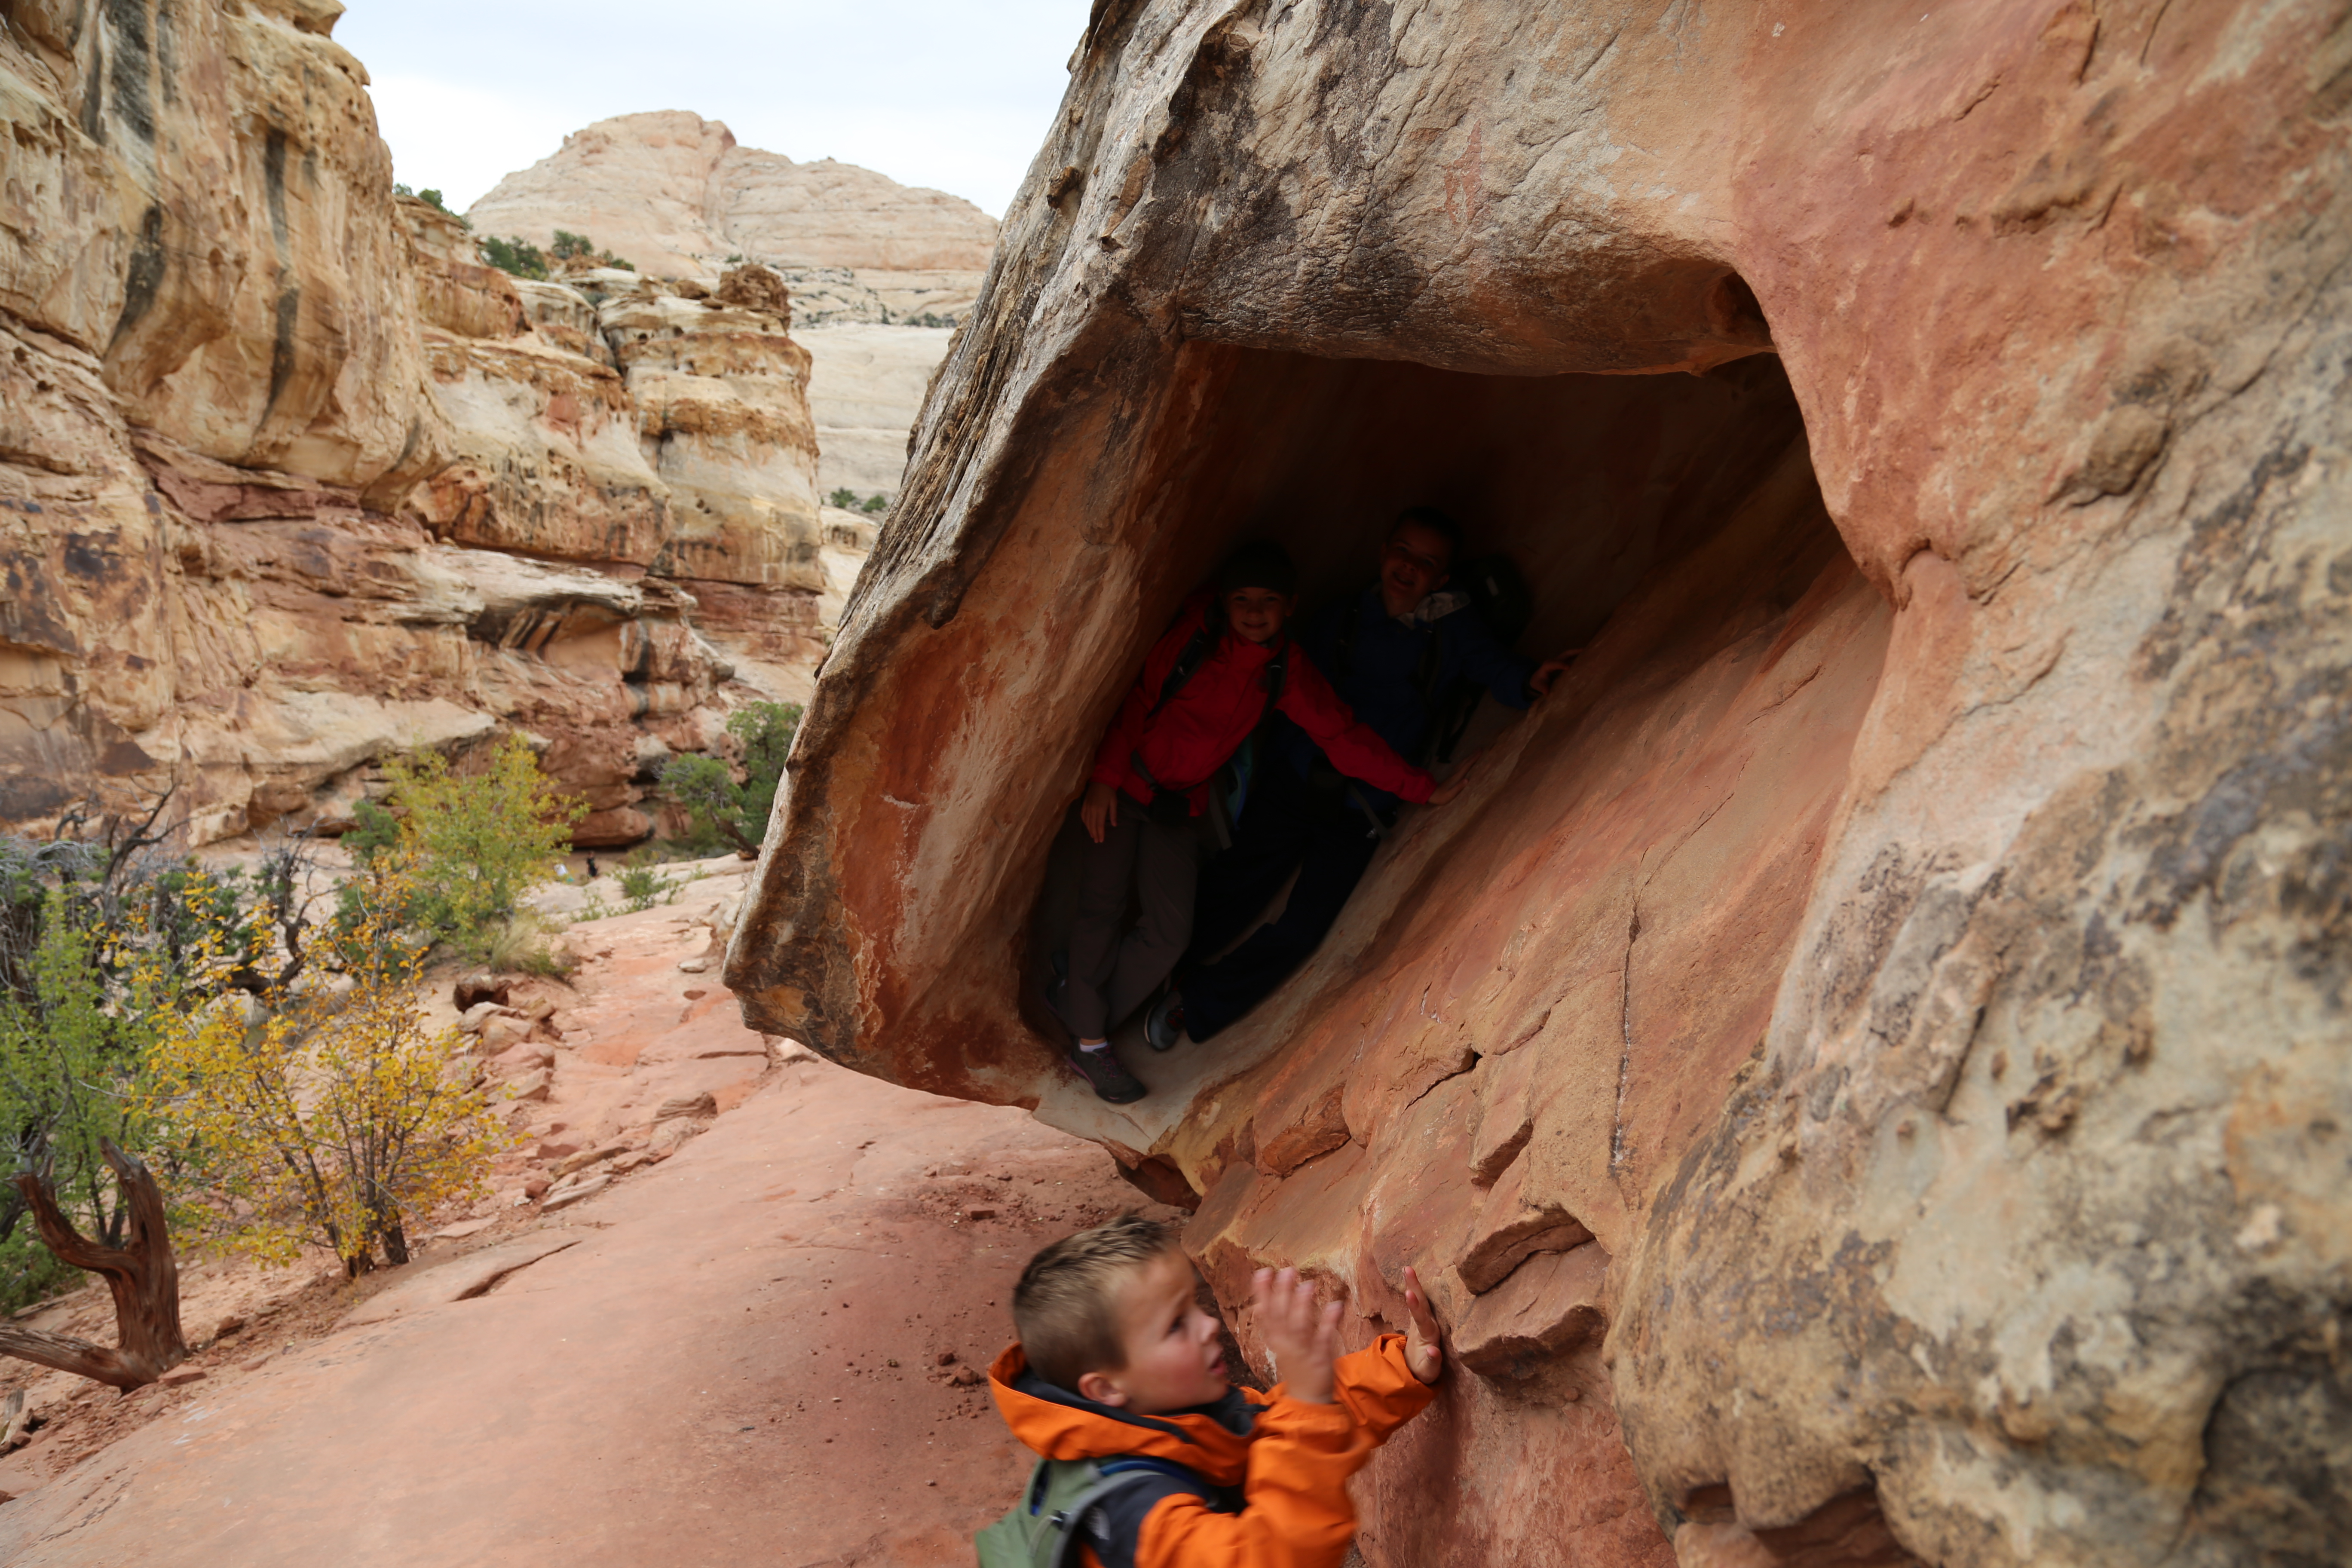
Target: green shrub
column 876, row 504
column 518, row 257
column 431, row 198
column 480, row 840
column 843, row 498
column 571, row 246
column 737, row 812
column 641, row 885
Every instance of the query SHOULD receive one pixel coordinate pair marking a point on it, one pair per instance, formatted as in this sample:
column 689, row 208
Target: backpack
column 1044, row 1529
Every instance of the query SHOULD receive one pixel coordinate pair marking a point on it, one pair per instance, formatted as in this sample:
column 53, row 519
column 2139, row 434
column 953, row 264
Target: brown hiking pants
column 1111, row 975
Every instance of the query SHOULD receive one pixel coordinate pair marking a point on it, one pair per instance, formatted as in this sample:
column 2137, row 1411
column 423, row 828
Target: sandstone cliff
column 866, row 391
column 1866, row 1059
column 291, row 482
column 672, row 193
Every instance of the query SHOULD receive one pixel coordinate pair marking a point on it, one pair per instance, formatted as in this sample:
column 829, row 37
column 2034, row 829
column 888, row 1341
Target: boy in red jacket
column 1205, row 686
column 1116, row 1358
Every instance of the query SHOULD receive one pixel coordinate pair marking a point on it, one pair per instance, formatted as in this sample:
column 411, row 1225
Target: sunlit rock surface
column 289, row 481
column 865, row 392
column 672, row 193
column 1863, row 1068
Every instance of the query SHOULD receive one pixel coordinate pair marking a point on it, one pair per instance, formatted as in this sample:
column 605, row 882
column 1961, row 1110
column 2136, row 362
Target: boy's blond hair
column 1066, row 1308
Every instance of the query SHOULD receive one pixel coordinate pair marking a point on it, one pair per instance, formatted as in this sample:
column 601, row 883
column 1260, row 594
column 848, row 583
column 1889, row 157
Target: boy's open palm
column 1423, row 1353
column 1303, row 1338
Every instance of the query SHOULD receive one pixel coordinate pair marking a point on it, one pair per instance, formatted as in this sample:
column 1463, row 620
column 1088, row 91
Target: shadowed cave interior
column 1593, row 485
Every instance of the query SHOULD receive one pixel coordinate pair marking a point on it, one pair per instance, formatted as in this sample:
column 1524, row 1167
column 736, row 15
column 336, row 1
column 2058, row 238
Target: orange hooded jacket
column 1290, row 1462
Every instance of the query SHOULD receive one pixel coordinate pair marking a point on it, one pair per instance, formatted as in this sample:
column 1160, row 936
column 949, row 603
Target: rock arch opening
column 1604, row 489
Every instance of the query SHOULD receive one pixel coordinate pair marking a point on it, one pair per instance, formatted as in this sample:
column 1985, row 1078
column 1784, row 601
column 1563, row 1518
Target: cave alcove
column 1593, row 485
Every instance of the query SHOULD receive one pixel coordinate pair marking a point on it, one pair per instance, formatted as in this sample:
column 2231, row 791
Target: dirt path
column 740, row 1354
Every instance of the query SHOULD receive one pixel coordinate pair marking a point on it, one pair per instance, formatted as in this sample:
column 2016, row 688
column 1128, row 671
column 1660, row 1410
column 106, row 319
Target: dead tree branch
column 143, row 1275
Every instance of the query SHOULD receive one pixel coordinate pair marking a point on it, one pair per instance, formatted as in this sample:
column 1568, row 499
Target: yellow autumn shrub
column 337, row 1119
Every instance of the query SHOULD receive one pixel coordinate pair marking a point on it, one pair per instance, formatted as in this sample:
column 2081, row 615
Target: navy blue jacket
column 1381, row 678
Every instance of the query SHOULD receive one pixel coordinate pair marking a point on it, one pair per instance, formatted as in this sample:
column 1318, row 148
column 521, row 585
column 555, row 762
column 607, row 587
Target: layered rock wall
column 291, row 482
column 1864, row 1065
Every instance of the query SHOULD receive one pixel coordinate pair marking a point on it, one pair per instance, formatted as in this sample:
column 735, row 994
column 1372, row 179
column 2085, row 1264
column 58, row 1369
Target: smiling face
column 1414, row 565
column 1257, row 613
column 1175, row 1359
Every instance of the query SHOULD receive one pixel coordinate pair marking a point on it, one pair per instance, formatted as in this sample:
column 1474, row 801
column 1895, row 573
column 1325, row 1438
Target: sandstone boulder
column 1908, row 941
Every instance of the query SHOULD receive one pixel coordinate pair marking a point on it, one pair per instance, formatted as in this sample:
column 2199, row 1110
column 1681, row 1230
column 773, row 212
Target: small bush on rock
column 476, row 841
column 641, row 885
column 737, row 812
column 517, row 256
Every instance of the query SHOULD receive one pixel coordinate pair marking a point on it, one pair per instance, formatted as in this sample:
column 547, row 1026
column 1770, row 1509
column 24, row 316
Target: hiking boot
column 1109, row 1076
column 1164, row 1024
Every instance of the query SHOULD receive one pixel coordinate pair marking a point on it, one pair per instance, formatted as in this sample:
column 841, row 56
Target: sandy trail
column 740, row 1359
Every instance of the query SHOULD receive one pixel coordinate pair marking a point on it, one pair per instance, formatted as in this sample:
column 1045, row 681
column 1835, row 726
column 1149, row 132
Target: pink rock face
column 1909, row 942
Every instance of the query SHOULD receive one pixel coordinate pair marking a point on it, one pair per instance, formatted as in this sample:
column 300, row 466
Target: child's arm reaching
column 1327, row 1417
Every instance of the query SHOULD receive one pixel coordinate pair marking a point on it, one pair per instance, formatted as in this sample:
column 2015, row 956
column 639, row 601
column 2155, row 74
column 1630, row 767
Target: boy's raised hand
column 1304, row 1339
column 1549, row 671
column 1100, row 811
column 1423, row 1353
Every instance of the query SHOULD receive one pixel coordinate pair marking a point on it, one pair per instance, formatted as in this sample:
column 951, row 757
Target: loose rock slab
column 458, row 1280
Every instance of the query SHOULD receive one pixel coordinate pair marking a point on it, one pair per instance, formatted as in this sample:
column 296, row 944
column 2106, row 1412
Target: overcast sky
column 954, row 94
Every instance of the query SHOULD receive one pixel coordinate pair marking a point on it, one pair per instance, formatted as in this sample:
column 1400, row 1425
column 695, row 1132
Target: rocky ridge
column 673, row 193
column 288, row 481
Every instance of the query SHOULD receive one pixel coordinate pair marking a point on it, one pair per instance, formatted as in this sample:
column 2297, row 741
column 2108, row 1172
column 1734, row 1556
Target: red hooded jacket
column 1290, row 1462
column 1200, row 729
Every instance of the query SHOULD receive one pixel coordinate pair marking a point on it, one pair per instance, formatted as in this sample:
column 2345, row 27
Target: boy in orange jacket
column 1116, row 1358
column 1206, row 685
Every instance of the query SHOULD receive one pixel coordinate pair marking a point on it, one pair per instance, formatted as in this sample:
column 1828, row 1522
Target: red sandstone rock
column 1944, row 761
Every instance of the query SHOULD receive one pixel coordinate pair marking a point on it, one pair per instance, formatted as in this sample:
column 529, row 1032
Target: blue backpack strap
column 1116, row 1533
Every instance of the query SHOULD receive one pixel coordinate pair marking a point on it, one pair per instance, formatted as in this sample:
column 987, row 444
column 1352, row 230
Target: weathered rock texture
column 866, row 391
column 1864, row 1066
column 290, row 481
column 672, row 193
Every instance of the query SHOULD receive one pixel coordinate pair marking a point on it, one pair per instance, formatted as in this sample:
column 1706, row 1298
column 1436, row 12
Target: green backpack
column 1045, row 1528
